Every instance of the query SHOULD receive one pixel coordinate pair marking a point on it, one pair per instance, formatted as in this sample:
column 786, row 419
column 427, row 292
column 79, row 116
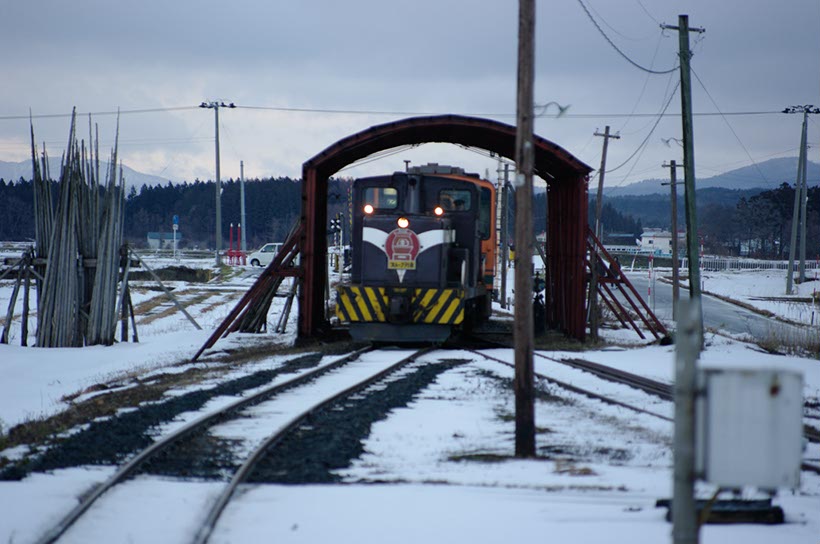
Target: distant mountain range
column 13, row 171
column 766, row 175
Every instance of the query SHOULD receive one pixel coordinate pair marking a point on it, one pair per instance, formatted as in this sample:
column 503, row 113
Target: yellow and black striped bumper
column 355, row 304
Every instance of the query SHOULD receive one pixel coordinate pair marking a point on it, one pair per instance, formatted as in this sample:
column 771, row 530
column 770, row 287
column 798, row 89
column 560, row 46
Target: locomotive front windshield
column 381, row 198
column 455, row 199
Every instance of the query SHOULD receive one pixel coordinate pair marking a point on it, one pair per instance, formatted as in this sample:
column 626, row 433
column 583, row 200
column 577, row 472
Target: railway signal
column 336, row 224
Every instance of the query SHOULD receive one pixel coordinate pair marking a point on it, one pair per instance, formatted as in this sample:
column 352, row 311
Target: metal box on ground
column 749, row 427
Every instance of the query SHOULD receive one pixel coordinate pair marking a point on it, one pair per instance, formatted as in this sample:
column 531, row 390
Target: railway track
column 576, row 389
column 659, row 389
column 288, row 425
column 647, row 385
column 361, row 376
column 652, row 387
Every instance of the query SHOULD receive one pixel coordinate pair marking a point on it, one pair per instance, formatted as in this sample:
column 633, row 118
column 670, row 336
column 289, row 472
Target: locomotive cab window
column 381, row 198
column 455, row 199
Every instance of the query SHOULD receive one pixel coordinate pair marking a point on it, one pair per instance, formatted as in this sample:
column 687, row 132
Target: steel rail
column 132, row 465
column 653, row 387
column 647, row 385
column 576, row 389
column 208, row 525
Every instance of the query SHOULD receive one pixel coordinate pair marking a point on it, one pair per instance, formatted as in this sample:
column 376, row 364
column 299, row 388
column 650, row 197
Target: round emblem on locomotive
column 402, row 247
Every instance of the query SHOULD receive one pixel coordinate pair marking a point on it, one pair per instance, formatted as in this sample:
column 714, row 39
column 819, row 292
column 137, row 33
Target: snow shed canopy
column 566, row 177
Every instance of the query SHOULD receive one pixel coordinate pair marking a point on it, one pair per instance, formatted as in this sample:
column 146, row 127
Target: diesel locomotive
column 423, row 250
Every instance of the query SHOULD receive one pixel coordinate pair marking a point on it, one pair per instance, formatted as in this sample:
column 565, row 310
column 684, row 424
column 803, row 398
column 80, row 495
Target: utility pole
column 675, row 273
column 214, row 105
column 523, row 327
column 600, row 197
column 687, row 349
column 800, row 194
column 689, row 163
column 505, row 229
column 243, row 234
column 690, row 321
column 599, row 231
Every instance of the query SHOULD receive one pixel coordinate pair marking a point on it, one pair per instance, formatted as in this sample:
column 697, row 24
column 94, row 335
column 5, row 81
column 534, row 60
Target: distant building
column 659, row 241
column 620, row 239
column 163, row 240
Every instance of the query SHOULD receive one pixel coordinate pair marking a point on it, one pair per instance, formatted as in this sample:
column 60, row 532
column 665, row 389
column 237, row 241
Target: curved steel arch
column 566, row 178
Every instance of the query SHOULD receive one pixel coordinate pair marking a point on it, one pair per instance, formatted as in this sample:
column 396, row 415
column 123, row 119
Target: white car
column 264, row 255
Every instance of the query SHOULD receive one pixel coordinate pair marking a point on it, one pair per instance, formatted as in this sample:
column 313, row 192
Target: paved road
column 717, row 314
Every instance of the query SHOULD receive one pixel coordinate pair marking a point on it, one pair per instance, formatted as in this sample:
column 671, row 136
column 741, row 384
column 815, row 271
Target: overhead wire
column 647, row 12
column 722, row 167
column 651, row 131
column 377, row 156
column 565, row 115
column 612, row 28
column 643, row 88
column 759, row 171
column 96, row 113
column 617, row 49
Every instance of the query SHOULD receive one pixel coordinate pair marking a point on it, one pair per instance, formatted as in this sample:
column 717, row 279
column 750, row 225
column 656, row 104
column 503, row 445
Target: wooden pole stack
column 80, row 242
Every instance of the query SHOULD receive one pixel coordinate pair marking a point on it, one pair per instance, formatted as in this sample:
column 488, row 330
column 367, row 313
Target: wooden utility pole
column 673, row 183
column 690, row 322
column 599, row 231
column 800, row 194
column 505, row 229
column 600, row 196
column 214, row 105
column 687, row 349
column 798, row 191
column 804, row 196
column 689, row 161
column 523, row 328
column 218, row 242
column 243, row 245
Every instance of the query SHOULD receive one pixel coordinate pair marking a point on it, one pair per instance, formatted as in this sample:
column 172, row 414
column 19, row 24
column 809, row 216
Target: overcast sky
column 415, row 56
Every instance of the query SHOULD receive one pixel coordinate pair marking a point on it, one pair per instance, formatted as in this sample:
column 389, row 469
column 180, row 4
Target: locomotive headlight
column 403, row 222
column 438, row 210
column 368, row 209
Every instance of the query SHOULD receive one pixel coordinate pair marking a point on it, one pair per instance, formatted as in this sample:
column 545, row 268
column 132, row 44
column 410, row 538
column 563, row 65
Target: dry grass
column 227, row 298
column 804, row 341
column 129, row 390
column 198, row 298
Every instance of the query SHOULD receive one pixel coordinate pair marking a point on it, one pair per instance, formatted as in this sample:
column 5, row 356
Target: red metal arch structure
column 567, row 181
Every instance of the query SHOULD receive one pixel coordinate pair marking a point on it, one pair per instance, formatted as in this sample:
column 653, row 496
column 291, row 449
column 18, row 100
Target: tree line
column 272, row 207
column 757, row 223
column 750, row 222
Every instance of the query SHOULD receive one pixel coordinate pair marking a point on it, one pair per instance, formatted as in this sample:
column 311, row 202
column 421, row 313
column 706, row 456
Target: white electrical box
column 749, row 427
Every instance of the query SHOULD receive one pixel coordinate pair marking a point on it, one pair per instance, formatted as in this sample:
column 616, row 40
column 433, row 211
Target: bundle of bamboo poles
column 81, row 239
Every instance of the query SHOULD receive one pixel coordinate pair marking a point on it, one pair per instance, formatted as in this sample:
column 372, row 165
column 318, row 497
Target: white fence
column 722, row 263
column 714, row 263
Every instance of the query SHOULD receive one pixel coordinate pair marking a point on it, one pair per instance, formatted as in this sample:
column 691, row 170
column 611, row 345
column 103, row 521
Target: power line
column 612, row 28
column 381, row 155
column 759, row 171
column 647, row 12
column 651, row 131
column 615, row 47
column 643, row 89
column 97, row 113
column 392, row 113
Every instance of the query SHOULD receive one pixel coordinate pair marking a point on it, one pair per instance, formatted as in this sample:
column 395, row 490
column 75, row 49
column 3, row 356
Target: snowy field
column 766, row 290
column 416, row 482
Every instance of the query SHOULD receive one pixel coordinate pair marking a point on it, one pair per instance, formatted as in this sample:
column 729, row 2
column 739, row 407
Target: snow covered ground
column 766, row 290
column 437, row 471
